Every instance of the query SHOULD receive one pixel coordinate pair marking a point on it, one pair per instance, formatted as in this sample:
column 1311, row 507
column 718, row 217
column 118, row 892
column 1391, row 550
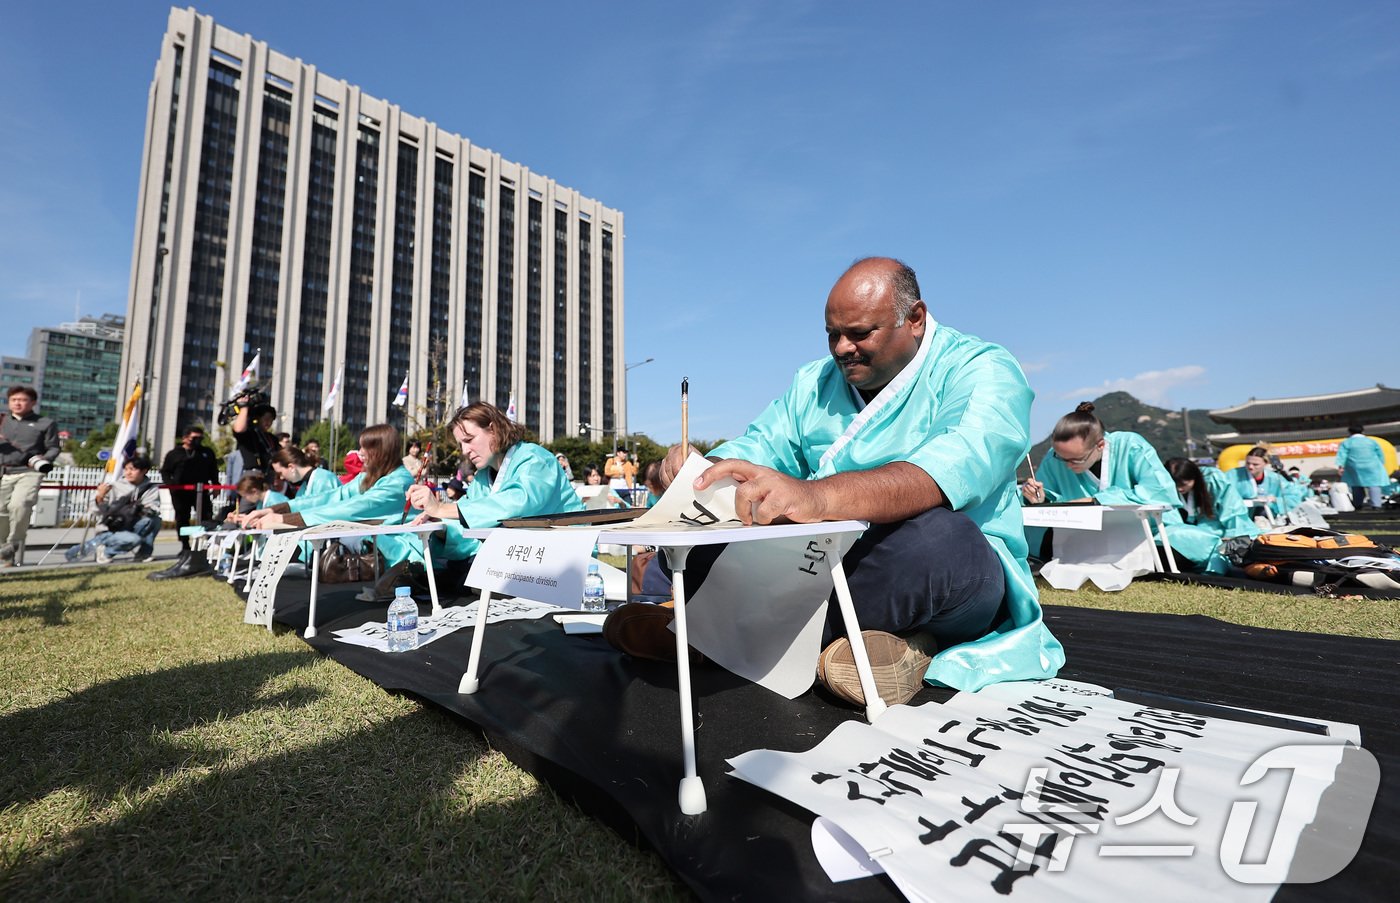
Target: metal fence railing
column 67, row 494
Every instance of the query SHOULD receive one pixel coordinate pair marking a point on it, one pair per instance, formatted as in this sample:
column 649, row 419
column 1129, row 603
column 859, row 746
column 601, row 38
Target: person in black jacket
column 186, row 464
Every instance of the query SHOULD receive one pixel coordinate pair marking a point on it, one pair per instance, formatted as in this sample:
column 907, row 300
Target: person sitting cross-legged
column 917, row 429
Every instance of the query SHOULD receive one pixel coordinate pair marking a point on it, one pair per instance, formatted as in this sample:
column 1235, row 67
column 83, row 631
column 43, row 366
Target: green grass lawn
column 156, row 747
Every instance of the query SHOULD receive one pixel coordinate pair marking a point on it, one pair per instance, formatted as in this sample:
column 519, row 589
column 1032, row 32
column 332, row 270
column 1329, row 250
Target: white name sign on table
column 543, row 565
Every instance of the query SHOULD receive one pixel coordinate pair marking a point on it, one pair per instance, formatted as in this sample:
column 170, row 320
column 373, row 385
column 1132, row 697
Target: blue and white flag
column 466, row 394
column 402, row 398
column 510, row 408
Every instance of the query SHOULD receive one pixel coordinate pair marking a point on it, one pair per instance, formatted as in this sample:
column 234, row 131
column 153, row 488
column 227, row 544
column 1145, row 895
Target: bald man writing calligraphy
column 917, row 429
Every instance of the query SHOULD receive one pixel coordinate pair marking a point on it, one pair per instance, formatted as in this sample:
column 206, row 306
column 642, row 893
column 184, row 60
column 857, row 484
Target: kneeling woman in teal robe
column 1085, row 462
column 514, row 478
column 377, row 492
column 1214, row 512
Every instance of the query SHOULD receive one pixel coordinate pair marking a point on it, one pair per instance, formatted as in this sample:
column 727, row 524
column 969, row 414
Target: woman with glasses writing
column 1086, row 463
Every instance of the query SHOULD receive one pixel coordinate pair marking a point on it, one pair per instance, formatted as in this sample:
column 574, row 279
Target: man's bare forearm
column 888, row 493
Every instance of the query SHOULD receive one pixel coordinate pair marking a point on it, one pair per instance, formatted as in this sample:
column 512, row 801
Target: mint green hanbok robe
column 1273, row 485
column 349, row 502
column 960, row 411
column 318, row 482
column 1200, row 536
column 530, row 482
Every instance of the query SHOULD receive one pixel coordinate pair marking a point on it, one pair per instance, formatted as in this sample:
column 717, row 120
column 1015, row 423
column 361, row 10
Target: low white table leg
column 252, row 564
column 874, row 705
column 432, row 581
column 316, row 546
column 1166, row 543
column 470, row 682
column 233, row 562
column 692, row 789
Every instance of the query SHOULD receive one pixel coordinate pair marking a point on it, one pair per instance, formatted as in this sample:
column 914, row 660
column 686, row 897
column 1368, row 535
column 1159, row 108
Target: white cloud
column 1153, row 386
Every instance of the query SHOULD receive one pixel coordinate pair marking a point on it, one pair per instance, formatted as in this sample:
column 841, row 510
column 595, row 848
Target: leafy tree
column 85, row 451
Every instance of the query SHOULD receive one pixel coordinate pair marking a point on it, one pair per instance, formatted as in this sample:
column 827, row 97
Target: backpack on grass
column 1307, row 556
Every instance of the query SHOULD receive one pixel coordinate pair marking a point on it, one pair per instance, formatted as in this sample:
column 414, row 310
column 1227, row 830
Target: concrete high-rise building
column 75, row 371
column 284, row 210
column 17, row 371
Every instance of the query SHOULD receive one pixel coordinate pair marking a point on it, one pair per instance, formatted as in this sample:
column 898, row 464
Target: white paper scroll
column 1055, row 790
column 761, row 609
column 276, row 555
column 375, row 634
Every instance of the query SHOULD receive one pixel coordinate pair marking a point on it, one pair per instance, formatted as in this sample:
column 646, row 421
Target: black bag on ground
column 121, row 514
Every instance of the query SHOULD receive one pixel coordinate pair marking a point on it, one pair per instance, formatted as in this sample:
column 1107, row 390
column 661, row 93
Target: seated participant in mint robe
column 1259, row 485
column 1085, row 462
column 1212, row 511
column 1118, row 468
column 514, row 478
column 917, row 429
column 376, row 493
column 301, row 478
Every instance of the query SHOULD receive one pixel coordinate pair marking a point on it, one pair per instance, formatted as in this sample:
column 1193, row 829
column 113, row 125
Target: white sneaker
column 103, row 556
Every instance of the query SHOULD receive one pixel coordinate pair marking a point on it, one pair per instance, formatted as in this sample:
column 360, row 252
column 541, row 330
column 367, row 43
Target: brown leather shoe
column 641, row 630
column 898, row 667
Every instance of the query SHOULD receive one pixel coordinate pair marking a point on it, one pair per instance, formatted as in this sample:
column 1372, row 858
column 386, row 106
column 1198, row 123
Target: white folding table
column 676, row 544
column 1112, row 544
column 368, row 531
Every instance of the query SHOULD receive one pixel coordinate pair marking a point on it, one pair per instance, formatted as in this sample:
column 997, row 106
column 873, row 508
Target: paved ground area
column 41, row 540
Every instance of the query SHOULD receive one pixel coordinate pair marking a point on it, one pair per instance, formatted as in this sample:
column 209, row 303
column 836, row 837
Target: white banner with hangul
column 276, row 555
column 1055, row 790
column 543, row 565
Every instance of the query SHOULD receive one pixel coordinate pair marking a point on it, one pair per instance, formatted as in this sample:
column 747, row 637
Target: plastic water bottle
column 593, row 598
column 403, row 621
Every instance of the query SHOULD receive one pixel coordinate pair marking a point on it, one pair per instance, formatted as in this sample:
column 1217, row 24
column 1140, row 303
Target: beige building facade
column 285, row 211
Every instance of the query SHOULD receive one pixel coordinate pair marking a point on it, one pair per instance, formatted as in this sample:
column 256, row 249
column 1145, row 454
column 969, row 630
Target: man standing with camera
column 28, row 447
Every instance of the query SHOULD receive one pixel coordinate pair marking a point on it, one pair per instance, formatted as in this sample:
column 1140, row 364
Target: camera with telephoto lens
column 249, row 398
column 40, row 463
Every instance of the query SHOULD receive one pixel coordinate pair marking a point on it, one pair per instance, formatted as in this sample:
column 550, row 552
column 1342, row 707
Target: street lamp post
column 161, row 253
column 627, row 393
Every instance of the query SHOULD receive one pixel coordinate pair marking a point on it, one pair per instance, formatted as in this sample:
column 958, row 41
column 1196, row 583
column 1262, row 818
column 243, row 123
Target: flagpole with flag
column 126, row 435
column 402, row 398
column 329, row 408
column 510, row 408
column 466, row 393
column 250, row 373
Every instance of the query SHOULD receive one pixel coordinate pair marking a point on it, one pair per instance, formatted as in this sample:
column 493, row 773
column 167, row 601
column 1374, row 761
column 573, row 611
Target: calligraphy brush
column 685, row 416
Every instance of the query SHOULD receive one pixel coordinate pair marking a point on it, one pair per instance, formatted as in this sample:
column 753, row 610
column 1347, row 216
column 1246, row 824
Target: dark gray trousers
column 934, row 572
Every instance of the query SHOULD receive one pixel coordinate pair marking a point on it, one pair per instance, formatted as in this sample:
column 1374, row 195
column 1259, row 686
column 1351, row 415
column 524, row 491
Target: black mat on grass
column 603, row 730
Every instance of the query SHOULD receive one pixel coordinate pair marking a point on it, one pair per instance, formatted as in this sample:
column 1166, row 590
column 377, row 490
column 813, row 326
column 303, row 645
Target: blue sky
column 1198, row 202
